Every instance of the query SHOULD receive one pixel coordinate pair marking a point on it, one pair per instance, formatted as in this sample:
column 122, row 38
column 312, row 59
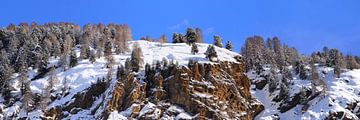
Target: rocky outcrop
column 216, row 91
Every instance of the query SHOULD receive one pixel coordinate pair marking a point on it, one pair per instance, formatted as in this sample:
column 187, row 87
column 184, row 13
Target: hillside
column 150, row 97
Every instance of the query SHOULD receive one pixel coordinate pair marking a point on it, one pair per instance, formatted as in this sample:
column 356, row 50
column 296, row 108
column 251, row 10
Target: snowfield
column 340, row 92
column 85, row 74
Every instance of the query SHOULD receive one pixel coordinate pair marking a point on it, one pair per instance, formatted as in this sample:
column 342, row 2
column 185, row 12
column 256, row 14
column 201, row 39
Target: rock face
column 215, row 91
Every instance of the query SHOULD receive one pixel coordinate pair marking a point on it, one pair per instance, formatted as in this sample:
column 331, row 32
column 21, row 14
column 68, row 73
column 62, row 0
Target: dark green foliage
column 190, row 36
column 194, row 49
column 228, row 46
column 73, row 59
column 211, row 54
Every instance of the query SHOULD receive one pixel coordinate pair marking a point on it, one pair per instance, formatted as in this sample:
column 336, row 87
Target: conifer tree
column 228, row 46
column 190, row 36
column 194, row 49
column 175, row 38
column 85, row 50
column 27, row 99
column 73, row 59
column 211, row 54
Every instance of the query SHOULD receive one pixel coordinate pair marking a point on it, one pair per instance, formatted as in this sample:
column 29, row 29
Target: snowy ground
column 84, row 74
column 340, row 91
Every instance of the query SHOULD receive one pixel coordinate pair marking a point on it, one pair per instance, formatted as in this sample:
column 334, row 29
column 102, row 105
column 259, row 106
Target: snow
column 116, row 116
column 342, row 90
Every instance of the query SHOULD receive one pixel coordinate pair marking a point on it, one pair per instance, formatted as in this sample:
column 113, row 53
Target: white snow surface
column 340, row 91
column 84, row 74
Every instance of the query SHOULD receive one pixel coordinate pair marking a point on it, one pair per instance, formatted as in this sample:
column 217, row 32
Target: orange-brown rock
column 207, row 91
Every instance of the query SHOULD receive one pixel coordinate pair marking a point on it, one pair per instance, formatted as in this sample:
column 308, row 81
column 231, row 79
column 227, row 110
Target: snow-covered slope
column 338, row 95
column 83, row 75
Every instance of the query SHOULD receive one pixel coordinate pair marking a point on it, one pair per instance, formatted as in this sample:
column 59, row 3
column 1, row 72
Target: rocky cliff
column 216, row 91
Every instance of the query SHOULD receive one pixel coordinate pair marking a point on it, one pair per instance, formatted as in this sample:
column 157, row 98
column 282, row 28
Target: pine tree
column 218, row 41
column 190, row 36
column 302, row 71
column 120, row 73
column 194, row 49
column 228, row 46
column 127, row 65
column 6, row 70
column 73, row 59
column 108, row 48
column 211, row 54
column 175, row 38
column 136, row 58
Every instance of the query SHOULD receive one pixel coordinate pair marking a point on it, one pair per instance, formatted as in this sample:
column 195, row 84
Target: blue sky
column 307, row 25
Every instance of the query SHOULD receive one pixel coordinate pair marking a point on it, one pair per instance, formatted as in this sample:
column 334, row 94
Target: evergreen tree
column 211, row 54
column 175, row 38
column 190, row 36
column 73, row 59
column 108, row 48
column 218, row 41
column 194, row 49
column 6, row 70
column 120, row 73
column 228, row 46
column 302, row 71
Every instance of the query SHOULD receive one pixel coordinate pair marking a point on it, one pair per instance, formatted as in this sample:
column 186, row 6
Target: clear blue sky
column 306, row 24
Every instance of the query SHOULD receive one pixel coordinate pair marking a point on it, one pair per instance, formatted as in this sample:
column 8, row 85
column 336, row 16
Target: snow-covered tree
column 194, row 49
column 73, row 59
column 27, row 99
column 211, row 54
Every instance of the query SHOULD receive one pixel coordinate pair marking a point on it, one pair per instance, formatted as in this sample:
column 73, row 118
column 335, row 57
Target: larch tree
column 162, row 39
column 27, row 99
column 218, row 41
column 136, row 58
column 85, row 43
column 199, row 35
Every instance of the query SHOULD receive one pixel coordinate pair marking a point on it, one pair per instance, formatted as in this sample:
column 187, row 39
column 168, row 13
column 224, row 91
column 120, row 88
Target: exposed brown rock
column 204, row 90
